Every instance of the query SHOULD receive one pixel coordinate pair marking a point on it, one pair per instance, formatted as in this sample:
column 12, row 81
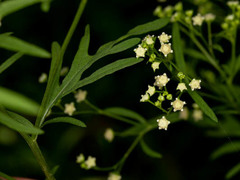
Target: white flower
column 42, row 78
column 164, row 38
column 166, row 49
column 198, row 19
column 109, row 135
column 178, row 105
column 229, row 17
column 80, row 95
column 80, row 158
column 64, row 71
column 144, row 98
column 163, row 123
column 155, row 65
column 151, row 90
column 149, row 39
column 184, row 114
column 90, row 162
column 140, row 51
column 69, row 109
column 195, row 84
column 161, row 81
column 114, row 176
column 232, row 3
column 195, row 106
column 181, row 87
column 209, row 17
column 197, row 115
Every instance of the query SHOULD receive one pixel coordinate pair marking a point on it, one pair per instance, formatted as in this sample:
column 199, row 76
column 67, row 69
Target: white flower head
column 64, row 71
column 149, row 39
column 166, row 49
column 151, row 90
column 181, row 87
column 178, row 105
column 197, row 115
column 140, row 51
column 195, row 84
column 209, row 17
column 184, row 114
column 232, row 4
column 109, row 135
column 90, row 162
column 164, row 38
column 144, row 97
column 163, row 123
column 198, row 19
column 69, row 109
column 229, row 17
column 80, row 95
column 161, row 81
column 43, row 78
column 80, row 158
column 155, row 65
column 114, row 176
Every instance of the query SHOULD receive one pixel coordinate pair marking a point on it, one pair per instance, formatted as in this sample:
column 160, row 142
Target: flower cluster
column 89, row 163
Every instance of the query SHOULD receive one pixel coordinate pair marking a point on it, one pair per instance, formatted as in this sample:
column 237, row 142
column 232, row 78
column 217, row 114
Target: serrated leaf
column 68, row 120
column 17, row 102
column 8, row 7
column 177, row 48
column 15, row 44
column 149, row 151
column 232, row 172
column 126, row 113
column 3, row 175
column 228, row 148
column 10, row 61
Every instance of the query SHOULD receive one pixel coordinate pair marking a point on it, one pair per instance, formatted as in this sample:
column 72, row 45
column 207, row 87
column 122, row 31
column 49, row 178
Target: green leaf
column 16, row 124
column 14, row 44
column 195, row 54
column 203, row 105
column 106, row 70
column 122, row 46
column 68, row 120
column 149, row 151
column 3, row 175
column 177, row 47
column 17, row 102
column 10, row 61
column 232, row 172
column 8, row 7
column 126, row 113
column 231, row 147
column 218, row 47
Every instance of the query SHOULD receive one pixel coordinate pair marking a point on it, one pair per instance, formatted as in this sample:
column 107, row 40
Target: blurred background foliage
column 186, row 146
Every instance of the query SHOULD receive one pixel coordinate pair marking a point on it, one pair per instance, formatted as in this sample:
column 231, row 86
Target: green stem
column 39, row 156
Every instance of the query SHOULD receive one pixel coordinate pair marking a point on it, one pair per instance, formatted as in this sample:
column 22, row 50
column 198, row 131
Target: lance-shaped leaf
column 10, row 61
column 3, row 175
column 68, row 120
column 14, row 44
column 232, row 172
column 149, row 151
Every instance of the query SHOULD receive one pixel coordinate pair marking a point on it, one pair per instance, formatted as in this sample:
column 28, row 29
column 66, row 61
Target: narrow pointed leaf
column 232, row 172
column 10, row 61
column 14, row 44
column 122, row 46
column 149, row 151
column 68, row 120
column 3, row 175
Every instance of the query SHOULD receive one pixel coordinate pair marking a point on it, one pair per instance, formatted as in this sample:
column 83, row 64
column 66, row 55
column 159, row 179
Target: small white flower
column 229, row 17
column 163, row 123
column 197, row 115
column 195, row 84
column 149, row 39
column 80, row 158
column 109, row 135
column 161, row 81
column 164, row 38
column 80, row 95
column 151, row 90
column 90, row 162
column 178, row 105
column 155, row 65
column 140, row 51
column 181, row 87
column 209, row 17
column 114, row 176
column 43, row 78
column 184, row 114
column 166, row 49
column 232, row 3
column 64, row 71
column 69, row 109
column 198, row 19
column 195, row 106
column 144, row 98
